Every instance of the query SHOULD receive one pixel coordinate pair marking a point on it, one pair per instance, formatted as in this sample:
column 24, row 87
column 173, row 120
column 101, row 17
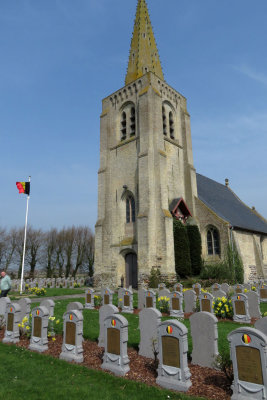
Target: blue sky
column 59, row 58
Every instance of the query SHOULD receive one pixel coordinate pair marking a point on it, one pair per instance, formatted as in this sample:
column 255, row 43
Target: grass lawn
column 51, row 292
column 32, row 376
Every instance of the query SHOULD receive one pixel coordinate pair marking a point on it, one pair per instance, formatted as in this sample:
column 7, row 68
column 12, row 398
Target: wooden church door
column 131, row 270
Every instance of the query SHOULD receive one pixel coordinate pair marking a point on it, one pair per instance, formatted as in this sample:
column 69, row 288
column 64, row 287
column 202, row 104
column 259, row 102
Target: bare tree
column 3, row 245
column 19, row 243
column 49, row 259
column 34, row 241
column 10, row 248
column 83, row 235
column 60, row 256
column 88, row 265
column 69, row 244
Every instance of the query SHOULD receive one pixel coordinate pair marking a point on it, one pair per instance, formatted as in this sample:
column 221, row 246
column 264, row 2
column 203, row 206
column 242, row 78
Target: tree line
column 57, row 252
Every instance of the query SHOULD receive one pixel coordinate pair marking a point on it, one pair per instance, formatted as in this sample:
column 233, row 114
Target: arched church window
column 130, row 209
column 123, row 126
column 164, row 120
column 213, row 241
column 132, row 122
column 171, row 125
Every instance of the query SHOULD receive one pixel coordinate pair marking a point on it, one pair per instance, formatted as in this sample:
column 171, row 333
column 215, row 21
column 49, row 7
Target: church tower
column 146, row 168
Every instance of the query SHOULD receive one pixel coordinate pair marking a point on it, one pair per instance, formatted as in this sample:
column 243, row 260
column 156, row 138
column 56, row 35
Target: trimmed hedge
column 195, row 248
column 181, row 250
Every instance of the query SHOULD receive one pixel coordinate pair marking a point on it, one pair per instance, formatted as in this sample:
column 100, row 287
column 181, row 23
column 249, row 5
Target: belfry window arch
column 168, row 120
column 130, row 209
column 213, row 241
column 127, row 121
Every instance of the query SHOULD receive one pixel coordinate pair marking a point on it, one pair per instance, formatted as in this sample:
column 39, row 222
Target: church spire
column 144, row 56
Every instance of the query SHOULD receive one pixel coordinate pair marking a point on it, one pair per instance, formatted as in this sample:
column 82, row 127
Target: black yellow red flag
column 23, row 187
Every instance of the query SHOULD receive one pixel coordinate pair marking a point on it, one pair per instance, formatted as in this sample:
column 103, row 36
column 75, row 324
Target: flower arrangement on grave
column 163, row 304
column 38, row 291
column 246, row 290
column 254, row 289
column 50, row 330
column 26, row 287
column 76, row 285
column 223, row 308
column 97, row 301
column 25, row 327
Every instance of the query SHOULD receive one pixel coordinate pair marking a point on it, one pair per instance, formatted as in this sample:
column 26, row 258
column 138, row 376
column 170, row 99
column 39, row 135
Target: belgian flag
column 23, row 187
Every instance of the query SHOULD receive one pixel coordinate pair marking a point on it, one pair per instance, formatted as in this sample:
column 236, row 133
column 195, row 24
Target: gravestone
column 4, row 303
column 75, row 305
column 164, row 293
column 215, row 287
column 197, row 288
column 190, row 298
column 263, row 292
column 149, row 320
column 261, row 325
column 39, row 339
column 176, row 304
column 253, row 304
column 72, row 347
column 240, row 307
column 219, row 294
column 89, row 299
column 249, row 357
column 238, row 288
column 120, row 291
column 127, row 301
column 178, row 287
column 141, row 298
column 150, row 299
column 107, row 295
column 161, row 286
column 206, row 302
column 115, row 358
column 247, row 286
column 25, row 308
column 225, row 287
column 104, row 312
column 50, row 305
column 204, row 334
column 173, row 371
column 12, row 323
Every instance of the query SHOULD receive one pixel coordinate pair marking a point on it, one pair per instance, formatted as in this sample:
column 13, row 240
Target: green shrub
column 154, row 278
column 195, row 247
column 163, row 304
column 181, row 249
column 219, row 271
column 224, row 363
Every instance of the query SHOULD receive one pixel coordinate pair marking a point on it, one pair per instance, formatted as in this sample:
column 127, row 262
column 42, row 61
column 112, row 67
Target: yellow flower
column 220, row 304
column 19, row 325
column 52, row 318
column 49, row 334
column 57, row 321
column 27, row 327
column 120, row 300
column 53, row 339
column 30, row 314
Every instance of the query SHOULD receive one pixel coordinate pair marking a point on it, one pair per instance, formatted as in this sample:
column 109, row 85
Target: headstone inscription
column 204, row 334
column 89, row 299
column 197, row 288
column 39, row 339
column 238, row 288
column 72, row 347
column 127, row 301
column 149, row 320
column 176, row 304
column 12, row 323
column 263, row 292
column 75, row 305
column 115, row 358
column 253, row 304
column 206, row 302
column 173, row 371
column 240, row 307
column 178, row 287
column 104, row 312
column 190, row 298
column 150, row 299
column 249, row 357
column 107, row 295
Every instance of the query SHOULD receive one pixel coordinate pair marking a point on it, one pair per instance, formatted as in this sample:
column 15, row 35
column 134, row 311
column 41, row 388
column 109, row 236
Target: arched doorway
column 131, row 270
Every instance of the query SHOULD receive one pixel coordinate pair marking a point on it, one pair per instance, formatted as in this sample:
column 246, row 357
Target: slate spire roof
column 225, row 203
column 144, row 55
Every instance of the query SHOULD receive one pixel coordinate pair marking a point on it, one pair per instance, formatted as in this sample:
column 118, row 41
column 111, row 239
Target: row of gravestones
column 245, row 306
column 48, row 282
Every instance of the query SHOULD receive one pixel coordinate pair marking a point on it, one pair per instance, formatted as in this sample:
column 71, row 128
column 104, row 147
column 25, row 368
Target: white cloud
column 252, row 74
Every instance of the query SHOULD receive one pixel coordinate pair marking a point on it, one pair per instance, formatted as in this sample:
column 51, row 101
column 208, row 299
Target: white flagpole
column 24, row 246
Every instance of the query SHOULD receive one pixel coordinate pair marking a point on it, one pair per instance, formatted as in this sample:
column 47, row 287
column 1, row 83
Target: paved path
column 55, row 298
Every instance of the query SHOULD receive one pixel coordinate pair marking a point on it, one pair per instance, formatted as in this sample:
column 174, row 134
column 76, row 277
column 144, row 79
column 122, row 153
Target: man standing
column 5, row 284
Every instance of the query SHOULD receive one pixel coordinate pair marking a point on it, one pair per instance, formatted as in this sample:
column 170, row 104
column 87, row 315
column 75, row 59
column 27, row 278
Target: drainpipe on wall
column 232, row 242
